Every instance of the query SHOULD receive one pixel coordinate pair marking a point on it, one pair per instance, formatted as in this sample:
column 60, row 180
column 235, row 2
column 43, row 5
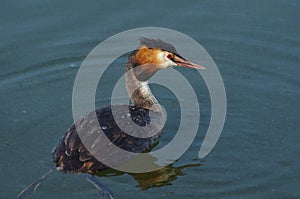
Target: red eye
column 169, row 56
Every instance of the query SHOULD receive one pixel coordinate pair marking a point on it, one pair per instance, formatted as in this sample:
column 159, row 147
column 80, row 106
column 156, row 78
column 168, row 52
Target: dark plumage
column 71, row 155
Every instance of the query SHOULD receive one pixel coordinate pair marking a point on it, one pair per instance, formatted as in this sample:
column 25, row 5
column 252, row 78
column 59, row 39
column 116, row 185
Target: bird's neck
column 139, row 91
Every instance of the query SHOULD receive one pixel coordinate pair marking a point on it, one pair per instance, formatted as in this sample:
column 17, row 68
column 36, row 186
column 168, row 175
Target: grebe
column 70, row 154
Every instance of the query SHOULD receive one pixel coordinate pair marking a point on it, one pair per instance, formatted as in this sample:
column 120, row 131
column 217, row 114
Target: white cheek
column 165, row 61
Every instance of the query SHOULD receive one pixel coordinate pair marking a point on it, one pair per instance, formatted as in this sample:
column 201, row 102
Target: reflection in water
column 160, row 177
column 156, row 178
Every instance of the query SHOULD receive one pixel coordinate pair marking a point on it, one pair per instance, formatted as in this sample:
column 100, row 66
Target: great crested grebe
column 70, row 154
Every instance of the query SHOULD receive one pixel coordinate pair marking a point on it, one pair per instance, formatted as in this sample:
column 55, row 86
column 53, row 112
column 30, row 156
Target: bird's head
column 153, row 55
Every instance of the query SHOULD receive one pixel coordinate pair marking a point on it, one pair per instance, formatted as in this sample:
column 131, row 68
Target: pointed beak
column 185, row 63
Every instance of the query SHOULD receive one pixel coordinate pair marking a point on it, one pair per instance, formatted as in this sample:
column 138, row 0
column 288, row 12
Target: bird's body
column 71, row 155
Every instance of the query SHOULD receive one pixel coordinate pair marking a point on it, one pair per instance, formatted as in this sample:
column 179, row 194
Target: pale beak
column 185, row 63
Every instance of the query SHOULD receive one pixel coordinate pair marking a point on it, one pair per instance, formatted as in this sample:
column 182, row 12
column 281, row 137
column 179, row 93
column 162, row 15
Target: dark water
column 255, row 44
